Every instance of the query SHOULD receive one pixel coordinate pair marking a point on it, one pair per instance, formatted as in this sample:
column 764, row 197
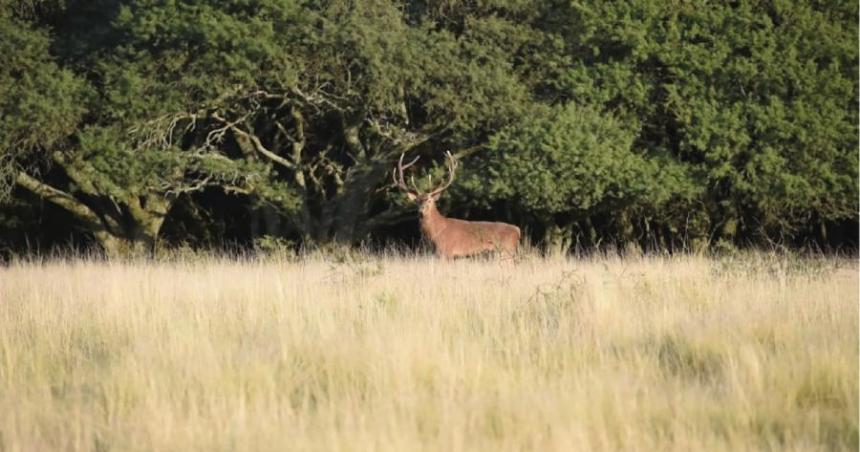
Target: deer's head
column 426, row 200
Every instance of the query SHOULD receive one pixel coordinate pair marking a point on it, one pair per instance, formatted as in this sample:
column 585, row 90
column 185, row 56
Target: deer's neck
column 432, row 223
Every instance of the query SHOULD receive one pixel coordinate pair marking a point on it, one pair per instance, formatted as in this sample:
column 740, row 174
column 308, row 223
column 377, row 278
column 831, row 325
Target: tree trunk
column 353, row 206
column 557, row 240
column 148, row 213
column 120, row 248
column 118, row 238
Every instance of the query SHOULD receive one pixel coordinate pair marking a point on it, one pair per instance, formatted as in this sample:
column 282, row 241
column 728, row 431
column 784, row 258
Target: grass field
column 411, row 353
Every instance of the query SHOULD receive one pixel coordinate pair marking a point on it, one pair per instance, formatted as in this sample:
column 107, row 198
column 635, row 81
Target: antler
column 397, row 175
column 451, row 162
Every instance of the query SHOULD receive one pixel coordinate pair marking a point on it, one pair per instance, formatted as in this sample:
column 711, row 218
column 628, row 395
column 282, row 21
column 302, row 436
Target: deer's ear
column 436, row 196
column 411, row 196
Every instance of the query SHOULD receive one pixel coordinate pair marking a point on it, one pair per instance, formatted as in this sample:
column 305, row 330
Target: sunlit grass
column 413, row 353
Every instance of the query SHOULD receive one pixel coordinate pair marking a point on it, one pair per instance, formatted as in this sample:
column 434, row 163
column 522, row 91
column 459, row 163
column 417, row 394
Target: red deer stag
column 453, row 237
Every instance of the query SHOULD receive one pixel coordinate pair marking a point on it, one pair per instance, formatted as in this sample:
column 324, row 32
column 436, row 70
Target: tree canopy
column 661, row 124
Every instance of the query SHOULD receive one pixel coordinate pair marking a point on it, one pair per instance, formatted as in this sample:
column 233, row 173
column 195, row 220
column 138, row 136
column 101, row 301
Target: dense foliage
column 655, row 124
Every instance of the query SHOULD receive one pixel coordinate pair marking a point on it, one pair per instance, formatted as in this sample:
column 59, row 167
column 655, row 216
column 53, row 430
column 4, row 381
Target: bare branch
column 315, row 100
column 258, row 145
column 217, row 135
column 197, row 185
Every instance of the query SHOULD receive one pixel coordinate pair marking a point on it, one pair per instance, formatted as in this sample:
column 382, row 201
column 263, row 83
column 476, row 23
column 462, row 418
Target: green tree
column 339, row 91
column 88, row 152
column 757, row 99
column 586, row 122
column 567, row 165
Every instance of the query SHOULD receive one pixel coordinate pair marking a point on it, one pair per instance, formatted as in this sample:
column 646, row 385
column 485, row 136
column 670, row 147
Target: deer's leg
column 508, row 253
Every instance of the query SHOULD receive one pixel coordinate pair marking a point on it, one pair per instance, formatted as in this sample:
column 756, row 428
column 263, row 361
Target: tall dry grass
column 411, row 353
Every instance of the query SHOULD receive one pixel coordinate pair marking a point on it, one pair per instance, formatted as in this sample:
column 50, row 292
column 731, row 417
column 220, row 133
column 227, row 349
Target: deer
column 453, row 237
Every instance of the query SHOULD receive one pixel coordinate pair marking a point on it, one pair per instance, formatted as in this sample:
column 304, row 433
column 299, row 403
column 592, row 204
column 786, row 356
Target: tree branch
column 350, row 132
column 60, row 198
column 460, row 153
column 258, row 145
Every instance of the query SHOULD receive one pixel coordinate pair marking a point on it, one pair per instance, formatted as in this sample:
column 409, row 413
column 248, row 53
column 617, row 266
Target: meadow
column 409, row 353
